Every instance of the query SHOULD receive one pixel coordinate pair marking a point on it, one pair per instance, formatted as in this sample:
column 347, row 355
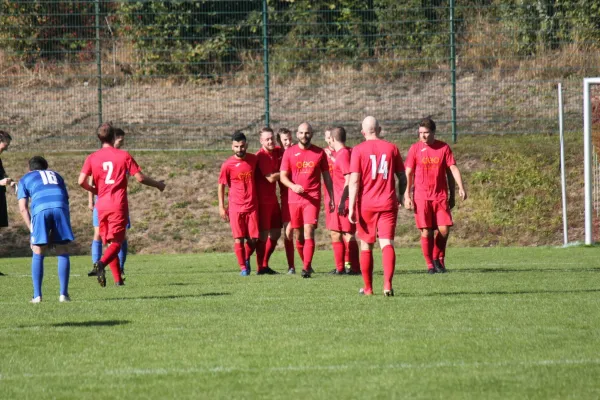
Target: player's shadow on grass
column 171, row 296
column 502, row 292
column 87, row 324
column 495, row 270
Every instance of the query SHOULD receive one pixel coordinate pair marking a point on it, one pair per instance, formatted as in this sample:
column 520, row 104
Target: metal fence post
column 453, row 69
column 98, row 61
column 265, row 31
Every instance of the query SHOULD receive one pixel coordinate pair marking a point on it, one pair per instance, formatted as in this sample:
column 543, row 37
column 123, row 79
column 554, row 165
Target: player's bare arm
column 408, row 203
column 223, row 212
column 401, row 177
column 6, row 182
column 451, row 189
column 342, row 210
column 274, row 177
column 83, row 182
column 458, row 178
column 146, row 180
column 90, row 195
column 24, row 210
column 329, row 187
column 283, row 177
column 352, row 192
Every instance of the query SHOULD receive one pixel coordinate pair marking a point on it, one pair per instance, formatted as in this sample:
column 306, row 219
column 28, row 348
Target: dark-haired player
column 237, row 173
column 301, row 170
column 426, row 165
column 48, row 221
column 373, row 202
column 109, row 168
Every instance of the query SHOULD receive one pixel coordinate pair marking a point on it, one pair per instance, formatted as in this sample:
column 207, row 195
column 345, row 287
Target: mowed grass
column 503, row 323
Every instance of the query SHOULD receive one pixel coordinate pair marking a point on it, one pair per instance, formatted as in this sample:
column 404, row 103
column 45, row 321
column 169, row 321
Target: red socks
column 300, row 248
column 240, row 254
column 338, row 255
column 115, row 269
column 111, row 253
column 439, row 248
column 250, row 247
column 289, row 252
column 309, row 251
column 427, row 249
column 388, row 255
column 270, row 248
column 352, row 254
column 366, row 267
column 260, row 254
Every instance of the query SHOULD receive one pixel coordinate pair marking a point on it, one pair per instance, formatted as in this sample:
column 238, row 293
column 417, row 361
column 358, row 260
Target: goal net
column 591, row 145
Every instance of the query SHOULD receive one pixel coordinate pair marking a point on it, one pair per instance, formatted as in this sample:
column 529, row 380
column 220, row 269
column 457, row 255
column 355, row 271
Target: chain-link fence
column 186, row 74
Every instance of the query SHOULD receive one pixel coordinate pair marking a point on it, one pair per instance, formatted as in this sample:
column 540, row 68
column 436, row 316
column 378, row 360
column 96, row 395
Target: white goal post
column 588, row 157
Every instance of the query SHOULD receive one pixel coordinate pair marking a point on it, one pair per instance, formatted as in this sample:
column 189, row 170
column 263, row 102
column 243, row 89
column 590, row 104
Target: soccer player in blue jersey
column 48, row 219
column 97, row 240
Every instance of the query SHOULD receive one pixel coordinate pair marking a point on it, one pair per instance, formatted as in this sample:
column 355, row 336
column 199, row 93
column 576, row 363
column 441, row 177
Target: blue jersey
column 45, row 188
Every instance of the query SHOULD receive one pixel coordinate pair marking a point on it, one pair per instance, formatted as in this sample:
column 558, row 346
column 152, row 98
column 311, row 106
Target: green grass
column 504, row 323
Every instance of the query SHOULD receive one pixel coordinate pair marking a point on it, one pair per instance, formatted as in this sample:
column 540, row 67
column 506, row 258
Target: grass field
column 504, row 323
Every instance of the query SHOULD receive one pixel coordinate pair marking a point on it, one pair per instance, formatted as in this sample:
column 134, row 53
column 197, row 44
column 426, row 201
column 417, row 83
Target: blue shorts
column 96, row 223
column 51, row 226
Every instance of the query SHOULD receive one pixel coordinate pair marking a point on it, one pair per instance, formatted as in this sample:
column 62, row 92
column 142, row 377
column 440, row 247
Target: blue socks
column 96, row 250
column 123, row 256
column 37, row 274
column 64, row 268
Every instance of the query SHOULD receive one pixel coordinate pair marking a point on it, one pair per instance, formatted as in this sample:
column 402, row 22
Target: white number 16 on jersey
column 108, row 166
column 383, row 167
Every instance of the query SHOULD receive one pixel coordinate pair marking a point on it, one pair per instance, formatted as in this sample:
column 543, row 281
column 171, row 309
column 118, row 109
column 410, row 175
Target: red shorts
column 269, row 217
column 112, row 225
column 339, row 223
column 244, row 224
column 304, row 214
column 373, row 224
column 432, row 213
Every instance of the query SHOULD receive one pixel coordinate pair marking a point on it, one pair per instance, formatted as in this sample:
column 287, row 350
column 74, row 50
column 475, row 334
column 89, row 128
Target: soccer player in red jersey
column 343, row 241
column 237, row 173
column 373, row 202
column 269, row 214
column 301, row 170
column 426, row 165
column 284, row 137
column 109, row 168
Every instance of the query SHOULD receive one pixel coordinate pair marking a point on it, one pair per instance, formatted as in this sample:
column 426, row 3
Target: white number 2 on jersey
column 108, row 166
column 48, row 177
column 383, row 167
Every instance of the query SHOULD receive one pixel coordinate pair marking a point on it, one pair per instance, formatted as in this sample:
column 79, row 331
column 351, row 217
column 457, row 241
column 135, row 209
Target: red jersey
column 377, row 161
column 267, row 163
column 429, row 164
column 330, row 162
column 109, row 168
column 304, row 168
column 238, row 175
column 341, row 168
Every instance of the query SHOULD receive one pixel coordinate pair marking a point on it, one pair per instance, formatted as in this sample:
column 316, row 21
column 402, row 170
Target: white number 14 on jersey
column 383, row 167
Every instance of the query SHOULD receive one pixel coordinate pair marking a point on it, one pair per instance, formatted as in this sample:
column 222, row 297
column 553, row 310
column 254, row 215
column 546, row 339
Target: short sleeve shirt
column 330, row 162
column 305, row 167
column 341, row 168
column 429, row 164
column 45, row 188
column 110, row 167
column 267, row 164
column 377, row 161
column 238, row 175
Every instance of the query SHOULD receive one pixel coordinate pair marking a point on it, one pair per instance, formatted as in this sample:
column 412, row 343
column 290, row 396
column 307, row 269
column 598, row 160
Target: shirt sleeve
column 224, row 175
column 285, row 162
column 410, row 158
column 22, row 192
column 343, row 162
column 323, row 163
column 398, row 164
column 449, row 157
column 87, row 167
column 132, row 166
